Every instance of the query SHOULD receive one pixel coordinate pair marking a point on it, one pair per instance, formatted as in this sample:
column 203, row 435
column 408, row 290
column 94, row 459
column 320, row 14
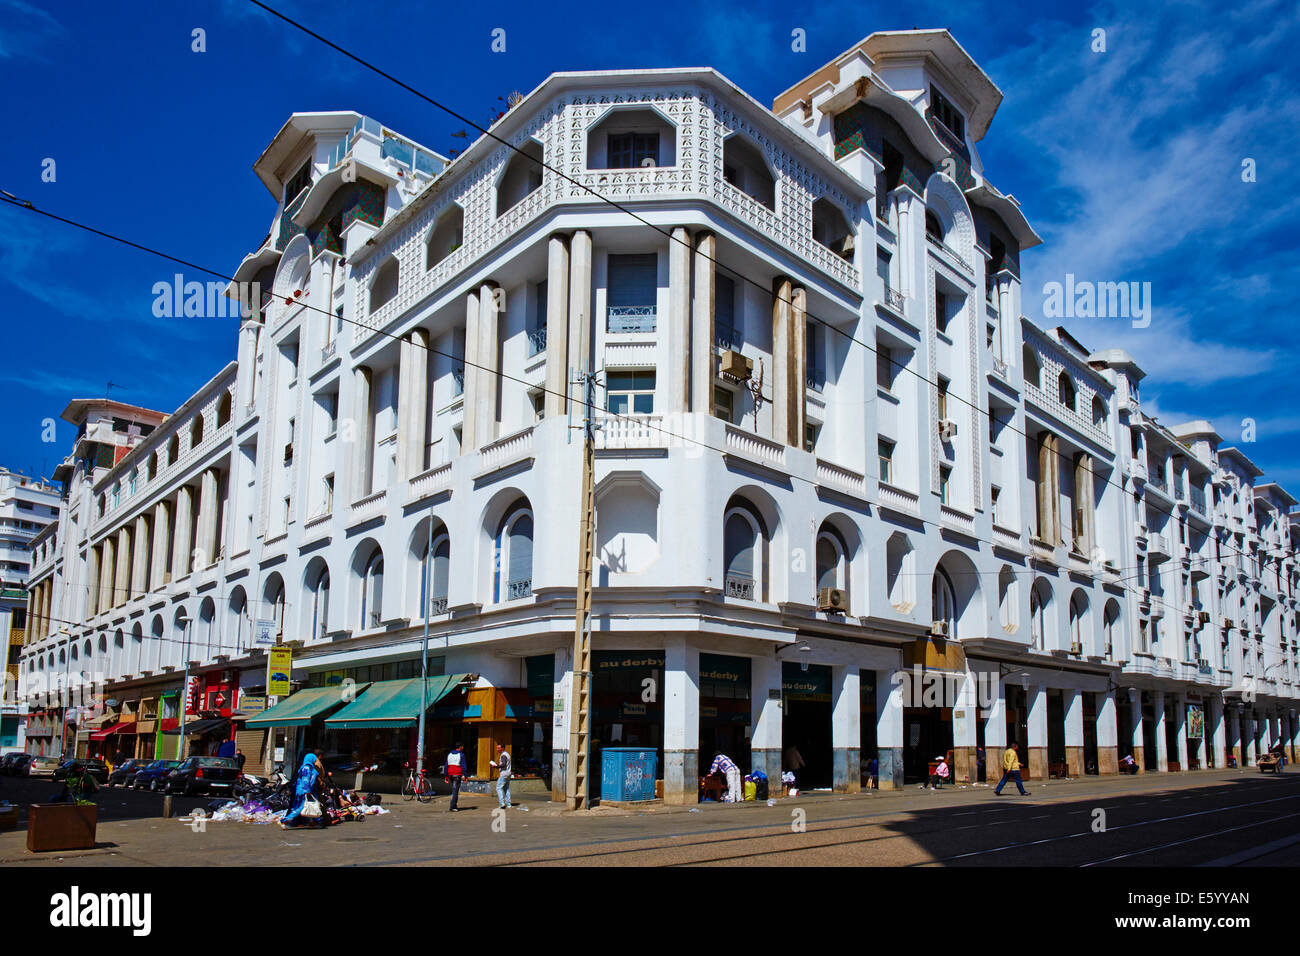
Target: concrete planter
column 61, row 826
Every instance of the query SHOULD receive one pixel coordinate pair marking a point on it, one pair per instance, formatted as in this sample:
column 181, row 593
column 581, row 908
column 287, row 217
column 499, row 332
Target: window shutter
column 441, row 568
column 633, row 280
column 739, row 548
column 521, row 550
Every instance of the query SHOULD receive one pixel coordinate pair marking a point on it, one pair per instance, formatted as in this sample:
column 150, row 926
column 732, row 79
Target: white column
column 782, row 356
column 207, row 543
column 1162, row 734
column 160, row 546
column 702, row 315
column 965, row 729
column 405, row 401
column 469, row 419
column 580, row 322
column 1037, row 730
column 678, row 371
column 1218, row 743
column 417, row 437
column 1072, row 701
column 846, row 728
column 1107, row 734
column 488, row 398
column 681, row 721
column 889, row 727
column 765, row 711
column 557, row 325
column 140, row 556
column 181, row 539
column 122, row 569
column 363, row 425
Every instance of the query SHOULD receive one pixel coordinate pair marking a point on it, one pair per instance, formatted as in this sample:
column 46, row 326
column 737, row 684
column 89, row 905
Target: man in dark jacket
column 454, row 771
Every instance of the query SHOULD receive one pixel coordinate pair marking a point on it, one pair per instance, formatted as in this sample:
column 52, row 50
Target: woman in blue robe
column 309, row 775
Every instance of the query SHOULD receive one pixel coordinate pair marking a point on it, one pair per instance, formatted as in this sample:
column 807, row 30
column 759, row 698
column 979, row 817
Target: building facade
column 26, row 506
column 850, row 504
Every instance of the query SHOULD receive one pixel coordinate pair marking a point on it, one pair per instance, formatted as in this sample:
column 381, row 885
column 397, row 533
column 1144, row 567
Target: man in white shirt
column 503, row 781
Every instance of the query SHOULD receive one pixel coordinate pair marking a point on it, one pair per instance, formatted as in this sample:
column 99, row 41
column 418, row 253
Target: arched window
column 196, row 432
column 434, row 580
column 830, row 562
column 223, row 409
column 944, row 604
column 173, row 449
column 1098, row 411
column 832, row 229
column 933, row 226
column 899, row 561
column 1078, row 613
column 236, row 610
column 1037, row 620
column 372, row 592
column 522, row 175
column 744, row 167
column 447, row 235
column 1065, row 389
column 206, row 637
column 514, row 577
column 1033, row 371
column 384, row 287
column 273, row 597
column 1108, row 623
column 320, row 605
column 1007, row 598
column 742, row 555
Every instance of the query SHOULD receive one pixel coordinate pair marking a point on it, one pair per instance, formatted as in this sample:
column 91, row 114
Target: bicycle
column 417, row 786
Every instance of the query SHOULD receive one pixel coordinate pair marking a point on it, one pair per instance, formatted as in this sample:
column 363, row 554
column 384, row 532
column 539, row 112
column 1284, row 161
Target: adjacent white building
column 849, row 500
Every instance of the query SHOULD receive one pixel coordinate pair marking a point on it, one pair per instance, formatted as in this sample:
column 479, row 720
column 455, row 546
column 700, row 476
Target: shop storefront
column 1195, row 721
column 725, row 709
column 806, row 723
column 531, row 735
column 627, row 708
column 868, row 732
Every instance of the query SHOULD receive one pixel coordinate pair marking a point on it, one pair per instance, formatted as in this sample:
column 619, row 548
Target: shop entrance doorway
column 724, row 710
column 1090, row 734
column 1149, row 755
column 627, row 706
column 806, row 724
column 927, row 735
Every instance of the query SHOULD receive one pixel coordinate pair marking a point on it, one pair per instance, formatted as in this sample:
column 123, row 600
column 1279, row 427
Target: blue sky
column 1127, row 162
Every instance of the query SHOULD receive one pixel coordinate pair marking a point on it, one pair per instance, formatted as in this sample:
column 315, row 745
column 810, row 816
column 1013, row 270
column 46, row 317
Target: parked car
column 123, row 772
column 97, row 769
column 153, row 775
column 43, row 766
column 203, row 775
column 15, row 764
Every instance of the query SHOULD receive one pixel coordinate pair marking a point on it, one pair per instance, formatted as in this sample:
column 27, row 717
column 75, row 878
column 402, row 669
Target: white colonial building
column 849, row 501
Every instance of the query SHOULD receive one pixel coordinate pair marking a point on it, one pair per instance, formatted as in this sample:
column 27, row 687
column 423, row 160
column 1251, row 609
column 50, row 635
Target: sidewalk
column 426, row 834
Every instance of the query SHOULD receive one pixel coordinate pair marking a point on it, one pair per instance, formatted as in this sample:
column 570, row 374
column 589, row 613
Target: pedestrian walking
column 305, row 784
column 454, row 771
column 725, row 765
column 1010, row 770
column 502, row 763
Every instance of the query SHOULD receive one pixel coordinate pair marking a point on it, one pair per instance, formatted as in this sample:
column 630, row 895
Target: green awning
column 392, row 703
column 300, row 709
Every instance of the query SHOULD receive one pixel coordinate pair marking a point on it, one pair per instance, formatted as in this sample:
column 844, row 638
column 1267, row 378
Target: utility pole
column 579, row 773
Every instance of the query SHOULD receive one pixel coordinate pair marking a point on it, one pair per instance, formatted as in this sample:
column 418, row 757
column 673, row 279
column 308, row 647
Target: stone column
column 418, row 436
column 489, row 390
column 1214, row 722
column 798, row 365
column 889, row 728
column 1180, row 730
column 846, row 729
column 159, row 546
column 94, row 568
column 1049, row 489
column 469, row 404
column 181, row 539
column 139, row 556
column 1107, row 734
column 903, row 202
column 783, row 398
column 965, row 735
column 206, row 547
column 404, row 399
column 1037, row 730
column 1162, row 733
column 248, row 331
column 1234, row 733
column 702, row 315
column 580, row 323
column 1072, row 701
column 557, row 326
column 678, row 371
column 560, row 724
column 681, row 722
column 1138, row 742
column 765, row 712
column 1248, row 732
column 995, row 730
column 363, row 425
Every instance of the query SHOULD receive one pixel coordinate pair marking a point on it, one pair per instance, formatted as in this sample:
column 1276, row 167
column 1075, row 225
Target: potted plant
column 68, row 824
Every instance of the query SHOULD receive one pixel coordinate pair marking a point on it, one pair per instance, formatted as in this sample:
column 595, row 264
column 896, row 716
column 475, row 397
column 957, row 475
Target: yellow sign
column 279, row 664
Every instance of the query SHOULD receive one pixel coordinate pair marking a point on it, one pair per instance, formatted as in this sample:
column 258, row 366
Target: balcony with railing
column 893, row 299
column 816, row 378
column 740, row 587
column 521, row 588
column 631, row 318
column 536, row 342
column 725, row 336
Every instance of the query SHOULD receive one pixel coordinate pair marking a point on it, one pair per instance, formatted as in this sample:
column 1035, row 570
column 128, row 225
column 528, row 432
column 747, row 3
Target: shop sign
column 812, row 684
column 634, row 710
column 612, row 661
column 192, row 692
column 252, row 703
column 709, row 713
column 720, row 669
column 1195, row 721
column 279, row 665
column 264, row 633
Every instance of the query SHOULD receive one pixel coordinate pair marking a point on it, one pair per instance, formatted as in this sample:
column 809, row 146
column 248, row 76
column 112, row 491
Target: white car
column 43, row 766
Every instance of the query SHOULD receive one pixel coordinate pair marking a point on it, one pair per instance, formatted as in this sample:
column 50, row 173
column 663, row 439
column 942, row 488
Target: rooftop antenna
column 110, row 386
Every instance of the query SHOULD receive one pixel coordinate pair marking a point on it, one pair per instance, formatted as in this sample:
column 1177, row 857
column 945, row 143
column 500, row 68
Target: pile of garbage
column 256, row 811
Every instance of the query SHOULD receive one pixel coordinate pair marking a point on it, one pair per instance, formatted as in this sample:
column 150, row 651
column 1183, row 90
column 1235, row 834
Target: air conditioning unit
column 939, row 628
column 846, row 246
column 734, row 365
column 832, row 600
column 947, row 430
column 1076, row 647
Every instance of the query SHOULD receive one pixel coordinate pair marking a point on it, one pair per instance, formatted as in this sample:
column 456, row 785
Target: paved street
column 1220, row 818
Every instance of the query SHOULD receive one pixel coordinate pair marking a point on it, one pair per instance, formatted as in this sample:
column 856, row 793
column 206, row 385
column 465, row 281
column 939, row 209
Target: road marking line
column 1203, row 836
column 1257, row 851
